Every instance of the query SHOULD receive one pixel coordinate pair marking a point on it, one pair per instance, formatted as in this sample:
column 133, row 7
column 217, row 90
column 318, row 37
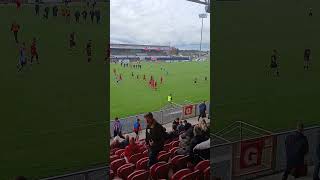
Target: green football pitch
column 133, row 96
column 53, row 115
column 245, row 33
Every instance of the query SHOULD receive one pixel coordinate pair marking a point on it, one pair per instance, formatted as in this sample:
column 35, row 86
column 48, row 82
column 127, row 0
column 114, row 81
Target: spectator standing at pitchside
column 137, row 128
column 155, row 137
column 117, row 128
column 296, row 148
column 202, row 110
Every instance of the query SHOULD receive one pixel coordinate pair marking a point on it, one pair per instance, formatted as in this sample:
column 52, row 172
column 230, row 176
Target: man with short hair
column 296, row 148
column 155, row 137
column 176, row 121
column 180, row 127
column 174, row 133
column 186, row 125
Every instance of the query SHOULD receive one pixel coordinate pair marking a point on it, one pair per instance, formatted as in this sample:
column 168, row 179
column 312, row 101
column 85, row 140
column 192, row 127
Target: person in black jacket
column 296, row 148
column 186, row 125
column 176, row 122
column 155, row 137
column 174, row 133
column 317, row 161
column 202, row 110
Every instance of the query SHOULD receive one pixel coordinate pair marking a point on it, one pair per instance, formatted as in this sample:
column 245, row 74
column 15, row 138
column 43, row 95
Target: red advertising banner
column 251, row 153
column 188, row 110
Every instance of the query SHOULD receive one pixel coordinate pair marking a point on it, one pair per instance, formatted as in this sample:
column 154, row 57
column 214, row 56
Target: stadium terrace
column 145, row 52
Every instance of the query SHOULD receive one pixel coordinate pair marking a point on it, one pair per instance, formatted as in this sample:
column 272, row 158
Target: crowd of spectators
column 194, row 139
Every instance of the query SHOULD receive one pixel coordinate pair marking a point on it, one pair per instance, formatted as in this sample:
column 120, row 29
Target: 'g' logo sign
column 188, row 110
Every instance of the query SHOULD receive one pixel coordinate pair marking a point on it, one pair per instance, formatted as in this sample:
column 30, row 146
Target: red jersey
column 18, row 3
column 33, row 48
column 15, row 27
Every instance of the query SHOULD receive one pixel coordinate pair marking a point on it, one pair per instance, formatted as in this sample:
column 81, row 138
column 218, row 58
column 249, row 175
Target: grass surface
column 53, row 116
column 245, row 32
column 132, row 96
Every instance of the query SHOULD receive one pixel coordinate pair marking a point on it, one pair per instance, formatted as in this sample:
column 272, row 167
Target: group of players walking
column 275, row 62
column 24, row 59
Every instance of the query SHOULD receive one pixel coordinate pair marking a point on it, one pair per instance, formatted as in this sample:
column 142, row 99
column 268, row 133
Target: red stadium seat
column 136, row 172
column 122, row 155
column 119, row 152
column 153, row 168
column 195, row 175
column 162, row 152
column 113, row 157
column 180, row 174
column 145, row 153
column 173, row 151
column 162, row 171
column 114, row 166
column 206, row 173
column 141, row 176
column 166, row 147
column 112, row 152
column 142, row 149
column 125, row 170
column 134, row 158
column 164, row 157
column 179, row 162
column 175, row 144
column 176, row 139
column 111, row 174
column 202, row 166
column 142, row 163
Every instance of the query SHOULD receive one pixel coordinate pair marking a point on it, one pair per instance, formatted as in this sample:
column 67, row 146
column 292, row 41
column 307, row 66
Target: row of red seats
column 169, row 150
column 161, row 170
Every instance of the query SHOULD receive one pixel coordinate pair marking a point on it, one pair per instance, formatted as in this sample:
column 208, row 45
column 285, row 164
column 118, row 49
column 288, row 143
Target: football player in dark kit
column 274, row 65
column 77, row 16
column 84, row 14
column 46, row 10
column 97, row 13
column 310, row 12
column 89, row 50
column 55, row 11
column 37, row 7
column 72, row 40
column 307, row 59
column 92, row 15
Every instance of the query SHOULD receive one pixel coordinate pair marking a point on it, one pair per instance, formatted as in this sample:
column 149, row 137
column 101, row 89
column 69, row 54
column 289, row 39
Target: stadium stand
column 134, row 52
column 170, row 165
column 233, row 152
